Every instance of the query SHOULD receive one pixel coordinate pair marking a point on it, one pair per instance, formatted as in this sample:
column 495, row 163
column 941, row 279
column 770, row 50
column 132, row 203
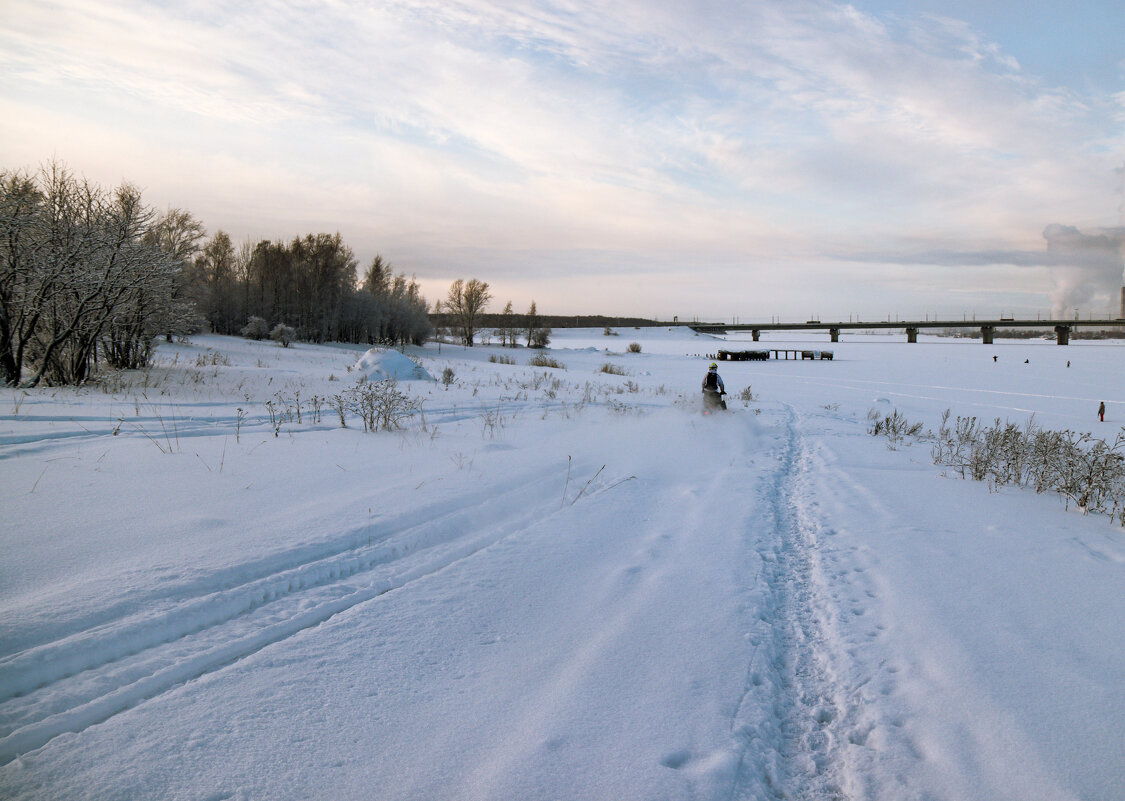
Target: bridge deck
column 987, row 328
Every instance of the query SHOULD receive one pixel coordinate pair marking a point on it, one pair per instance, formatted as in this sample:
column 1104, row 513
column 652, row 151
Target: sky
column 715, row 160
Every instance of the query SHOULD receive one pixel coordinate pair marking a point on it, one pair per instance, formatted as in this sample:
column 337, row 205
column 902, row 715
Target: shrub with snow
column 255, row 328
column 283, row 334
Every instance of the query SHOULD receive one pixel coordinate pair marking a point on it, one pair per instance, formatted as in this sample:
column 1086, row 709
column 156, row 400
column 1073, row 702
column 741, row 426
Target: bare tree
column 465, row 301
column 217, row 268
column 507, row 330
column 531, row 323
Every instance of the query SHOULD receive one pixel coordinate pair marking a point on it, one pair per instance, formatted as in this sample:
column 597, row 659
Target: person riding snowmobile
column 713, row 389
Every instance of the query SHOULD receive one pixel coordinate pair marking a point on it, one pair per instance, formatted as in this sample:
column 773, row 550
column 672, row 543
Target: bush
column 1085, row 470
column 379, row 404
column 255, row 328
column 283, row 334
column 612, row 369
column 542, row 360
column 894, row 427
column 447, row 376
column 634, row 347
column 540, row 338
column 494, row 359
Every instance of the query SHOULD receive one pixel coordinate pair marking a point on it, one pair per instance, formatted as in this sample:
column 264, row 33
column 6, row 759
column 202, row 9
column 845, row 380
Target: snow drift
column 380, row 364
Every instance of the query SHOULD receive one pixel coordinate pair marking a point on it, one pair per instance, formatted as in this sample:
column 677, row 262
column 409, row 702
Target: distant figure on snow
column 713, row 389
column 994, row 357
column 1101, row 411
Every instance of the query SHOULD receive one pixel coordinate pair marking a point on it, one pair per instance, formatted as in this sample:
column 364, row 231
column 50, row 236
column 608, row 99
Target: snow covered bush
column 447, row 377
column 634, row 347
column 255, row 328
column 611, row 369
column 283, row 334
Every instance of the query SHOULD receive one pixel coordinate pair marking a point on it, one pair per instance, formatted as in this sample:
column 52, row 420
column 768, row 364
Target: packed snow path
column 546, row 601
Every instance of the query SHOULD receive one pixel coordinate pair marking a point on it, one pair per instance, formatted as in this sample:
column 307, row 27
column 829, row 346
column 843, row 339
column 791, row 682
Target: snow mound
column 379, row 364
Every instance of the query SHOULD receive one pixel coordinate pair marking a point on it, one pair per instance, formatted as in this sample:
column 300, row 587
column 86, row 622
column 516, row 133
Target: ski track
column 166, row 431
column 69, row 684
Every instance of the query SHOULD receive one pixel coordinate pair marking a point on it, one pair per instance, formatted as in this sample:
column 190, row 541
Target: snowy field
column 555, row 583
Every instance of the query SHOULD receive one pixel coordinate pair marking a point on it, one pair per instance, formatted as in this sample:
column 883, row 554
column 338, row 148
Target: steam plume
column 1087, row 267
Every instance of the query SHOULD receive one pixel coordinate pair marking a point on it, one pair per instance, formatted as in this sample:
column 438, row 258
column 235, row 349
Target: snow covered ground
column 554, row 583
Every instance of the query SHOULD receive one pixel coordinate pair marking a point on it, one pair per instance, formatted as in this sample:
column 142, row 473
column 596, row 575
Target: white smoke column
column 1086, row 267
column 1121, row 222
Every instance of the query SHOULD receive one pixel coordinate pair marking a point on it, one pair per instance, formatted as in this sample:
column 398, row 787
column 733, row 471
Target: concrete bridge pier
column 1062, row 334
column 835, row 334
column 911, row 335
column 986, row 334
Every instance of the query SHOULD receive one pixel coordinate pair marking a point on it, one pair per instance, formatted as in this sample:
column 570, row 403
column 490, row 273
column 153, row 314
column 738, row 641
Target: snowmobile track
column 111, row 667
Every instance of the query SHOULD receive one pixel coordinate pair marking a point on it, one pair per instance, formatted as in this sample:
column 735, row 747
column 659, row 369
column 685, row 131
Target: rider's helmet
column 712, row 366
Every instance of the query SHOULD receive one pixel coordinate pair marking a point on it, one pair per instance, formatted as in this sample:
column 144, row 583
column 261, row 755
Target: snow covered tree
column 21, row 217
column 178, row 234
column 80, row 277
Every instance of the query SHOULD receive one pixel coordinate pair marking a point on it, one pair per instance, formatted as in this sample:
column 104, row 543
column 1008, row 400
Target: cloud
column 737, row 133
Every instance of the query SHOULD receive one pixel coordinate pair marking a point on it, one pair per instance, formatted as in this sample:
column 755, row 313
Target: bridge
column 987, row 327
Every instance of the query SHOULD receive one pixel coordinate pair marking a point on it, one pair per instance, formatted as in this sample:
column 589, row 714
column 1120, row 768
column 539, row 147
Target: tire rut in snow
column 792, row 717
column 71, row 684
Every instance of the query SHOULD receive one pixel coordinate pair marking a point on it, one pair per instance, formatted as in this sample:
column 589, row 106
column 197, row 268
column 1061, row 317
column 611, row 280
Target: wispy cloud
column 739, row 135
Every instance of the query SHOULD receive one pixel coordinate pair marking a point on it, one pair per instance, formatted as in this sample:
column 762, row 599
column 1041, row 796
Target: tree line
column 309, row 285
column 90, row 277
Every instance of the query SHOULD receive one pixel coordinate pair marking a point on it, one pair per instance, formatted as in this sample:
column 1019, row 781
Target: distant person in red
column 1101, row 411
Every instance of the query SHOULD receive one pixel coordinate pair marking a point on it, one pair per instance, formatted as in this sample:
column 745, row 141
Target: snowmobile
column 713, row 390
column 713, row 401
